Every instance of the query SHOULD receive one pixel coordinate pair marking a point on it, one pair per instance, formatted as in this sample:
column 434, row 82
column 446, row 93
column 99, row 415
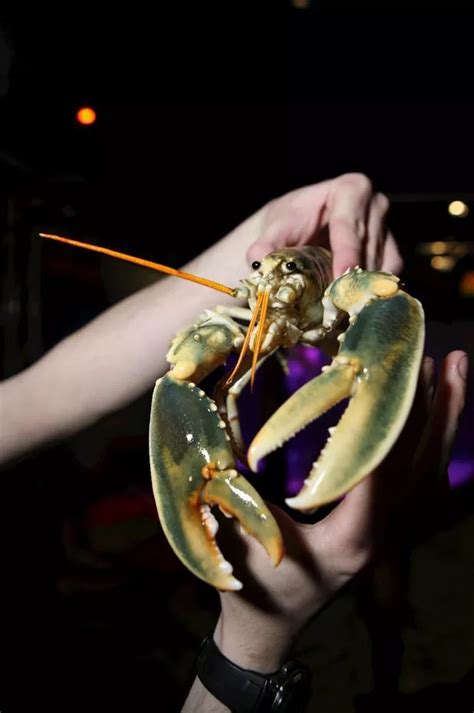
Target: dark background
column 96, row 610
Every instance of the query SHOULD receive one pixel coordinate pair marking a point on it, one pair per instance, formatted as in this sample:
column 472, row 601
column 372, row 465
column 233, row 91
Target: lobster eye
column 290, row 266
column 256, row 264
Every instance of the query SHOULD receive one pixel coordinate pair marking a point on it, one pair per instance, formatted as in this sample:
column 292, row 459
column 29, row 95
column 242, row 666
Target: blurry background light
column 438, row 247
column 458, row 208
column 443, row 262
column 466, row 284
column 86, row 115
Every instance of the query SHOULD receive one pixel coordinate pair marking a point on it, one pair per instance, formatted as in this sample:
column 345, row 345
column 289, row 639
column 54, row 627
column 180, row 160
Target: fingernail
column 463, row 365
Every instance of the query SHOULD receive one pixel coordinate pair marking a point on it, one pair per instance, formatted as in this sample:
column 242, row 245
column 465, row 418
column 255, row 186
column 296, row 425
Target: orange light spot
column 86, row 115
column 466, row 285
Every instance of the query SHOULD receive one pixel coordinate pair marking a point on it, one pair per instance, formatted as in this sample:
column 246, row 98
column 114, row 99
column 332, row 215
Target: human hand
column 258, row 625
column 343, row 213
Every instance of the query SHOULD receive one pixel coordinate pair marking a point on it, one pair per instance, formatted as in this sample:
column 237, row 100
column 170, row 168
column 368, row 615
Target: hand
column 258, row 625
column 345, row 206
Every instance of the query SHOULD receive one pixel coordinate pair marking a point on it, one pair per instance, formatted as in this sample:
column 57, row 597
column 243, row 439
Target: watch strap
column 229, row 682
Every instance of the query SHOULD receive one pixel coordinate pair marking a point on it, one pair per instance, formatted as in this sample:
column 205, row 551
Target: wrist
column 286, row 687
column 261, row 648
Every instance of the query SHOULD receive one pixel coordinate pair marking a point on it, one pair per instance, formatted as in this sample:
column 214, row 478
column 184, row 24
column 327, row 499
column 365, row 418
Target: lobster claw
column 377, row 367
column 193, row 469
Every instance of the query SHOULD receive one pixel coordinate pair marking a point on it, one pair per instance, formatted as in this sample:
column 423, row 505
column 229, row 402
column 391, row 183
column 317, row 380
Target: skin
column 258, row 626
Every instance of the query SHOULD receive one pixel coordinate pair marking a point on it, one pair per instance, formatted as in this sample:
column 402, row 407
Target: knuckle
column 275, row 231
column 339, row 224
column 360, row 557
column 353, row 563
column 359, row 181
column 344, row 229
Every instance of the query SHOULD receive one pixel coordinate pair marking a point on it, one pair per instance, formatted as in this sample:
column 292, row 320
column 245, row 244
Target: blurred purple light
column 460, row 472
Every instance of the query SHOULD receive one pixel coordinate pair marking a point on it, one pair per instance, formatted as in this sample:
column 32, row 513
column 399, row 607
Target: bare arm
column 116, row 357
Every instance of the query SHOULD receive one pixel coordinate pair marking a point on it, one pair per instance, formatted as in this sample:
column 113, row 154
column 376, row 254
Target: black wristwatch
column 243, row 691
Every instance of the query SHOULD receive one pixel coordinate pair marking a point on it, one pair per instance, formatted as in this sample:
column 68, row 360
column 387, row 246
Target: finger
column 427, row 384
column 354, row 528
column 376, row 232
column 392, row 260
column 293, row 219
column 259, row 250
column 348, row 206
column 398, row 458
column 434, row 451
column 430, row 475
column 349, row 530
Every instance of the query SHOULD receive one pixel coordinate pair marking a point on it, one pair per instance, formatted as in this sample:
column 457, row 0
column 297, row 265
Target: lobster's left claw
column 192, row 470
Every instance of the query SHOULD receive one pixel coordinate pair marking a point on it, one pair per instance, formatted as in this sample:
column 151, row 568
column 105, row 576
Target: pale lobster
column 194, row 440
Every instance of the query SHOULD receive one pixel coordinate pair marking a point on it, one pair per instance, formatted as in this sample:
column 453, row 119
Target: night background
column 97, row 613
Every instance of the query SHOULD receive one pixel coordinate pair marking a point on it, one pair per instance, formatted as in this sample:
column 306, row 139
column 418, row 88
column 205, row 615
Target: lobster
column 195, row 440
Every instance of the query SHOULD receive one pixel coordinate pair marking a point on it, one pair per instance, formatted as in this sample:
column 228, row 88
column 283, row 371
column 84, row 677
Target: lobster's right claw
column 193, row 469
column 377, row 369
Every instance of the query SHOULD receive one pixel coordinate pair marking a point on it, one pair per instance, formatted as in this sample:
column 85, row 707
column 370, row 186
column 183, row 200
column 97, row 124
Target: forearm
column 116, row 357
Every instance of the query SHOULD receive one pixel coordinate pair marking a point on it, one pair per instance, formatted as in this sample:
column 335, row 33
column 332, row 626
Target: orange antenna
column 145, row 263
column 260, row 335
column 245, row 345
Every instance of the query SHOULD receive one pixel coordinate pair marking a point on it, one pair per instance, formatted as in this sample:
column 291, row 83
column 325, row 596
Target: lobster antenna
column 145, row 263
column 260, row 335
column 245, row 345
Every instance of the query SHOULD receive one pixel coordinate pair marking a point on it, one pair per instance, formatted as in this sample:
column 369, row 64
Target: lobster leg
column 377, row 365
column 192, row 464
column 227, row 403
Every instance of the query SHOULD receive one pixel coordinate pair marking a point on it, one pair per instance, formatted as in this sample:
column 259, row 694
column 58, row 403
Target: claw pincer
column 377, row 367
column 192, row 464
